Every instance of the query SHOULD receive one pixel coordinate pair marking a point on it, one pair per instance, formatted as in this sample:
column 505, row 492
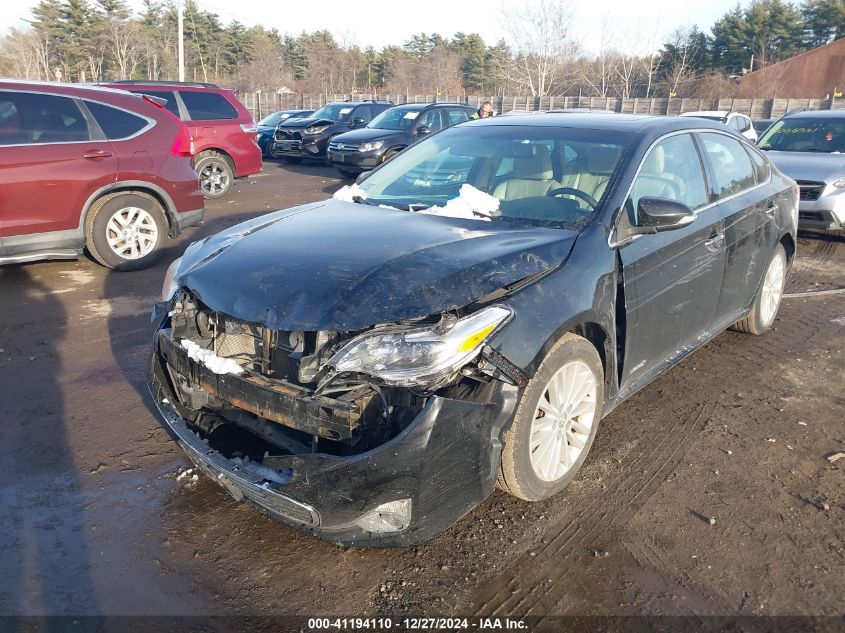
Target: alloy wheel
column 214, row 178
column 131, row 233
column 563, row 420
column 772, row 290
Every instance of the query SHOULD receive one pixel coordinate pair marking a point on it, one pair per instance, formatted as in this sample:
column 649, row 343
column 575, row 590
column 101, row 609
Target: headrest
column 601, row 161
column 535, row 167
column 655, row 163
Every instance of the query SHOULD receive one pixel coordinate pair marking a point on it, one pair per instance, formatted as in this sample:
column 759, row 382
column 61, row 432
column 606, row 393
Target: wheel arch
column 788, row 243
column 589, row 327
column 212, row 149
column 135, row 186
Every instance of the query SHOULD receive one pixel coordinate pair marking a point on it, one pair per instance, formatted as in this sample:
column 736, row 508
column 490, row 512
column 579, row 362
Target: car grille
column 810, row 190
column 287, row 135
column 343, row 147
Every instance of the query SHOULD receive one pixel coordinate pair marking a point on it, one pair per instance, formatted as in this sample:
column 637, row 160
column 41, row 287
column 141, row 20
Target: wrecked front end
column 312, row 430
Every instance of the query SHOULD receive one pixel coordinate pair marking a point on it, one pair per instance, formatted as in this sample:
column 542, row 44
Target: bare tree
column 125, row 46
column 598, row 73
column 540, row 33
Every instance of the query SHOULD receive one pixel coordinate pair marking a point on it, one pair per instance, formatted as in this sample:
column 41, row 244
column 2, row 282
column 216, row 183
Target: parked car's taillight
column 249, row 128
column 183, row 144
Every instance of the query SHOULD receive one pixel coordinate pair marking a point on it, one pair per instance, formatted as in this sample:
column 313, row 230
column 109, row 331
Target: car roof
column 46, row 85
column 722, row 113
column 357, row 103
column 635, row 123
column 164, row 83
column 816, row 114
column 423, row 106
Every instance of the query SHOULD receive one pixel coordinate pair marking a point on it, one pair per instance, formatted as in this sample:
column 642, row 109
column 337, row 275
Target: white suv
column 739, row 123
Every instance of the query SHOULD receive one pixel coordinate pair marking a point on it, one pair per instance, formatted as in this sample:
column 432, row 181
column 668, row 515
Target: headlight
column 371, row 147
column 840, row 184
column 170, row 285
column 318, row 129
column 413, row 356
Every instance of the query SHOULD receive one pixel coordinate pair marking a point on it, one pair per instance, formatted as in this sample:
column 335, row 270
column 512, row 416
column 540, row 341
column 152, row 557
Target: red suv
column 222, row 128
column 91, row 167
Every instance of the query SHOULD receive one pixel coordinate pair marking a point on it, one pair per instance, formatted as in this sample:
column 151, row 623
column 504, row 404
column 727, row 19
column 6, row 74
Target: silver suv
column 810, row 148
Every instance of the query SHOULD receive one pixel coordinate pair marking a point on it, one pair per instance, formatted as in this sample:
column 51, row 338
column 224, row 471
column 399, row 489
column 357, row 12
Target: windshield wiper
column 363, row 200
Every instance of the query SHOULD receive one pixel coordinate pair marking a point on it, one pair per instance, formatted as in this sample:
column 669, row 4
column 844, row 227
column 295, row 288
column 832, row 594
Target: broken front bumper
column 445, row 462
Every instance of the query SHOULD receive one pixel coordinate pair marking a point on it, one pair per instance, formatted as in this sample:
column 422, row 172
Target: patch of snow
column 210, row 359
column 347, row 192
column 471, row 204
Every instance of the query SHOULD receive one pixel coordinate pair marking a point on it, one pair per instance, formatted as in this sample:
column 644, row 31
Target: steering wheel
column 570, row 191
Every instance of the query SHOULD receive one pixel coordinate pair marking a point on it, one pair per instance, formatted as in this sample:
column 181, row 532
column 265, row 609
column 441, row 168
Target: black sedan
column 368, row 368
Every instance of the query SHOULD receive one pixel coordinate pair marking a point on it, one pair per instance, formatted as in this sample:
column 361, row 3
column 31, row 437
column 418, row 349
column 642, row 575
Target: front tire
column 347, row 174
column 555, row 422
column 215, row 173
column 766, row 303
column 126, row 230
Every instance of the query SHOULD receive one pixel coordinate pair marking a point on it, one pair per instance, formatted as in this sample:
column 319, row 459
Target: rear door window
column 731, row 165
column 207, row 106
column 457, row 116
column 27, row 118
column 116, row 124
column 168, row 96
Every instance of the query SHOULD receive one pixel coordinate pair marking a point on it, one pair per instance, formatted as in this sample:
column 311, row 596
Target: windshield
column 548, row 176
column 395, row 119
column 333, row 112
column 272, row 120
column 806, row 135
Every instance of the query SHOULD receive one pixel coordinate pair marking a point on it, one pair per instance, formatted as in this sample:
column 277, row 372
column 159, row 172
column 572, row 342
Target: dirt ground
column 93, row 519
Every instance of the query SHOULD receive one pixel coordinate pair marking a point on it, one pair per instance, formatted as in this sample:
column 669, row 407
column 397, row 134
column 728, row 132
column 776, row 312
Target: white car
column 739, row 123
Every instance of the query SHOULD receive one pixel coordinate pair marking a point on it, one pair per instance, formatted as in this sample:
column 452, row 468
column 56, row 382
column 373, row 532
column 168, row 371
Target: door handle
column 714, row 241
column 94, row 154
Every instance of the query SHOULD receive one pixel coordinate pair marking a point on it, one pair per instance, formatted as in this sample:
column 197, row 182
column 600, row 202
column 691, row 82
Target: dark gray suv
column 390, row 132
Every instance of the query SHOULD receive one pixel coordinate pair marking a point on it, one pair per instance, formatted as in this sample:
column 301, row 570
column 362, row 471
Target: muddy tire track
column 628, row 490
column 805, row 273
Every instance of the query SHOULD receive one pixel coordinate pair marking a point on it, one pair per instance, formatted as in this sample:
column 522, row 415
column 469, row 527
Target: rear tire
column 126, row 230
column 555, row 422
column 347, row 174
column 215, row 173
column 766, row 303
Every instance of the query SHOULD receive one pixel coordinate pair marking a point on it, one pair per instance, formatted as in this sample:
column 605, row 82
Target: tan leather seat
column 532, row 176
column 652, row 179
column 593, row 176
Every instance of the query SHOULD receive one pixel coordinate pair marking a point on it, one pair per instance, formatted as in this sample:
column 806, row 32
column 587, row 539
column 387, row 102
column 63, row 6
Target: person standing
column 484, row 112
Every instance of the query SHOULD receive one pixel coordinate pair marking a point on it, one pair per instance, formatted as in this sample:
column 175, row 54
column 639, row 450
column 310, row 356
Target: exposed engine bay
column 282, row 396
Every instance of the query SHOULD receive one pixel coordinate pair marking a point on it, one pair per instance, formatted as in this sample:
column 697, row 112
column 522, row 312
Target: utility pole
column 181, row 23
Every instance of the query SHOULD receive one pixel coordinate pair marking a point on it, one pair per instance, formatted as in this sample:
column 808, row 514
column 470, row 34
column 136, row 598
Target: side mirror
column 362, row 177
column 423, row 130
column 357, row 121
column 659, row 214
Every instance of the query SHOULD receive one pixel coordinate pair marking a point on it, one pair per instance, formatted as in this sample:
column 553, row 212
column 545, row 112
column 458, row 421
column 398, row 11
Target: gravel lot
column 740, row 431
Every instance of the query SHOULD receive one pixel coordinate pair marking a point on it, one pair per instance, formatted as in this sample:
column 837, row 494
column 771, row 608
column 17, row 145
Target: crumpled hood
column 336, row 265
column 809, row 165
column 366, row 134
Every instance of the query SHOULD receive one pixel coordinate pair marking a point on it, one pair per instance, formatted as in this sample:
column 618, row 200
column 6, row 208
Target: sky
column 381, row 22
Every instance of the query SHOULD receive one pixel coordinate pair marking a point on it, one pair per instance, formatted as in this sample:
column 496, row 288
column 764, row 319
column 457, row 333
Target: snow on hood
column 348, row 192
column 471, row 204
